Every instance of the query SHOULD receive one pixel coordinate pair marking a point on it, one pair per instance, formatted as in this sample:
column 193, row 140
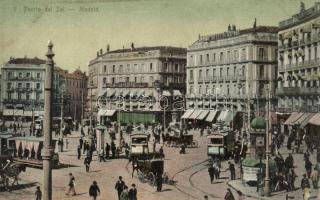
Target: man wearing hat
column 133, row 192
column 120, row 186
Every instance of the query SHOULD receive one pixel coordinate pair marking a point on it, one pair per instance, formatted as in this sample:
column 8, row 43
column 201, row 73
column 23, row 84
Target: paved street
column 189, row 171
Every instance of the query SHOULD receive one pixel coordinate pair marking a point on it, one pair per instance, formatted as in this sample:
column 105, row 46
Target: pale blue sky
column 25, row 26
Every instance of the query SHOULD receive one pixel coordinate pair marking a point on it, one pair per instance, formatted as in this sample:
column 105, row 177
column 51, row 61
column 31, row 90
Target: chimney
column 132, row 46
column 229, row 27
column 234, row 27
column 101, row 52
column 97, row 53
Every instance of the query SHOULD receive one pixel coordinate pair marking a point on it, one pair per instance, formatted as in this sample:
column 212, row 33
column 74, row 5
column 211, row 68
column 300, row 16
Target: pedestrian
column 38, row 193
column 113, row 149
column 305, row 186
column 94, row 190
column 159, row 182
column 133, row 192
column 161, row 153
column 124, row 194
column 87, row 163
column 315, row 178
column 306, row 155
column 107, row 150
column 291, row 179
column 289, row 162
column 101, row 155
column 229, row 195
column 81, row 142
column 211, row 173
column 71, row 185
column 79, row 152
column 120, row 186
column 308, row 166
column 232, row 171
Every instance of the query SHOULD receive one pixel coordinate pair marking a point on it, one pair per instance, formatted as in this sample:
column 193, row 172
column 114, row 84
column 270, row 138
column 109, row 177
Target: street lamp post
column 267, row 177
column 91, row 87
column 48, row 149
column 61, row 112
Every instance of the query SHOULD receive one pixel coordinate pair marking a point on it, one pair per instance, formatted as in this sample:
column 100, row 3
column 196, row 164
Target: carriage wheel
column 141, row 177
column 151, row 179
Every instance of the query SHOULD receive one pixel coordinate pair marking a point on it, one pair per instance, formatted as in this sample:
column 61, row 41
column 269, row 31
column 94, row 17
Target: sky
column 79, row 28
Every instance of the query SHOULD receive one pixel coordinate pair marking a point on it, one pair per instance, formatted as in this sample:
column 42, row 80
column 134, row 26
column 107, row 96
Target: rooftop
column 302, row 16
column 167, row 49
column 33, row 61
column 236, row 32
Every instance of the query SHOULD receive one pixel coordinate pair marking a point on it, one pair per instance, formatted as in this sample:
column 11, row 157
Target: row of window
column 230, row 56
column 23, row 75
column 22, row 96
column 76, row 83
column 299, row 55
column 20, row 85
column 219, row 90
column 136, row 68
column 236, row 71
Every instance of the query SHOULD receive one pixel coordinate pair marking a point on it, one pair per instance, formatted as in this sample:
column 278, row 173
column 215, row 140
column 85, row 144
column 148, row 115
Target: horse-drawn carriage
column 145, row 161
column 175, row 137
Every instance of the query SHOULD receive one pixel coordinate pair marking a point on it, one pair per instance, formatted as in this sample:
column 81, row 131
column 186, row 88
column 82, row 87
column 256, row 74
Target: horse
column 13, row 171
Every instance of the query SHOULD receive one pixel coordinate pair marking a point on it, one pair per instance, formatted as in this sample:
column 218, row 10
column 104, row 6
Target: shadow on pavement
column 23, row 186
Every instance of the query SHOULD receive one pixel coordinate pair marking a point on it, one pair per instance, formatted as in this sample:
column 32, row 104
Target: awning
column 280, row 77
column 222, row 115
column 126, row 93
column 111, row 93
column 195, row 114
column 291, row 117
column 149, row 93
column 274, row 118
column 177, row 93
column 166, row 93
column 133, row 92
column 200, row 103
column 301, row 119
column 203, row 115
column 229, row 116
column 315, row 120
column 316, row 24
column 187, row 114
column 307, row 119
column 101, row 112
column 141, row 92
column 211, row 116
column 110, row 113
column 294, row 119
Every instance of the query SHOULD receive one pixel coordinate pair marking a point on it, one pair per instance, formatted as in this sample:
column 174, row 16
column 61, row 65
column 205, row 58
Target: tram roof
column 142, row 135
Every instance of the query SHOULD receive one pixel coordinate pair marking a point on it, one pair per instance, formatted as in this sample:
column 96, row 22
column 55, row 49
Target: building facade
column 298, row 60
column 76, row 90
column 141, row 82
column 231, row 70
column 22, row 87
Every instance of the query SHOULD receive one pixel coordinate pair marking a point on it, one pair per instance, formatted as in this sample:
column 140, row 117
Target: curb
column 245, row 194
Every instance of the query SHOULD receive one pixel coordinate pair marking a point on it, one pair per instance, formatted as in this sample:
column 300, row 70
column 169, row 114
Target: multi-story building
column 298, row 87
column 229, row 70
column 76, row 89
column 136, row 80
column 22, row 87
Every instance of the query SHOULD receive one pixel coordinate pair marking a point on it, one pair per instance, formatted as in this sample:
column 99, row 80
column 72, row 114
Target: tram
column 220, row 144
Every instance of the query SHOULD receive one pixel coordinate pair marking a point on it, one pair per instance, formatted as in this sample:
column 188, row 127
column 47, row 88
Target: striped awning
column 222, row 116
column 291, row 117
column 315, row 120
column 211, row 116
column 187, row 114
column 295, row 118
column 125, row 93
column 299, row 120
column 111, row 92
column 203, row 114
column 166, row 93
column 195, row 114
column 307, row 119
column 110, row 113
column 141, row 92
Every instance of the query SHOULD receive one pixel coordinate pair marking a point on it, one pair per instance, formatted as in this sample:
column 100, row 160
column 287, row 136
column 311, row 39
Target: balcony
column 300, row 65
column 126, row 85
column 295, row 91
